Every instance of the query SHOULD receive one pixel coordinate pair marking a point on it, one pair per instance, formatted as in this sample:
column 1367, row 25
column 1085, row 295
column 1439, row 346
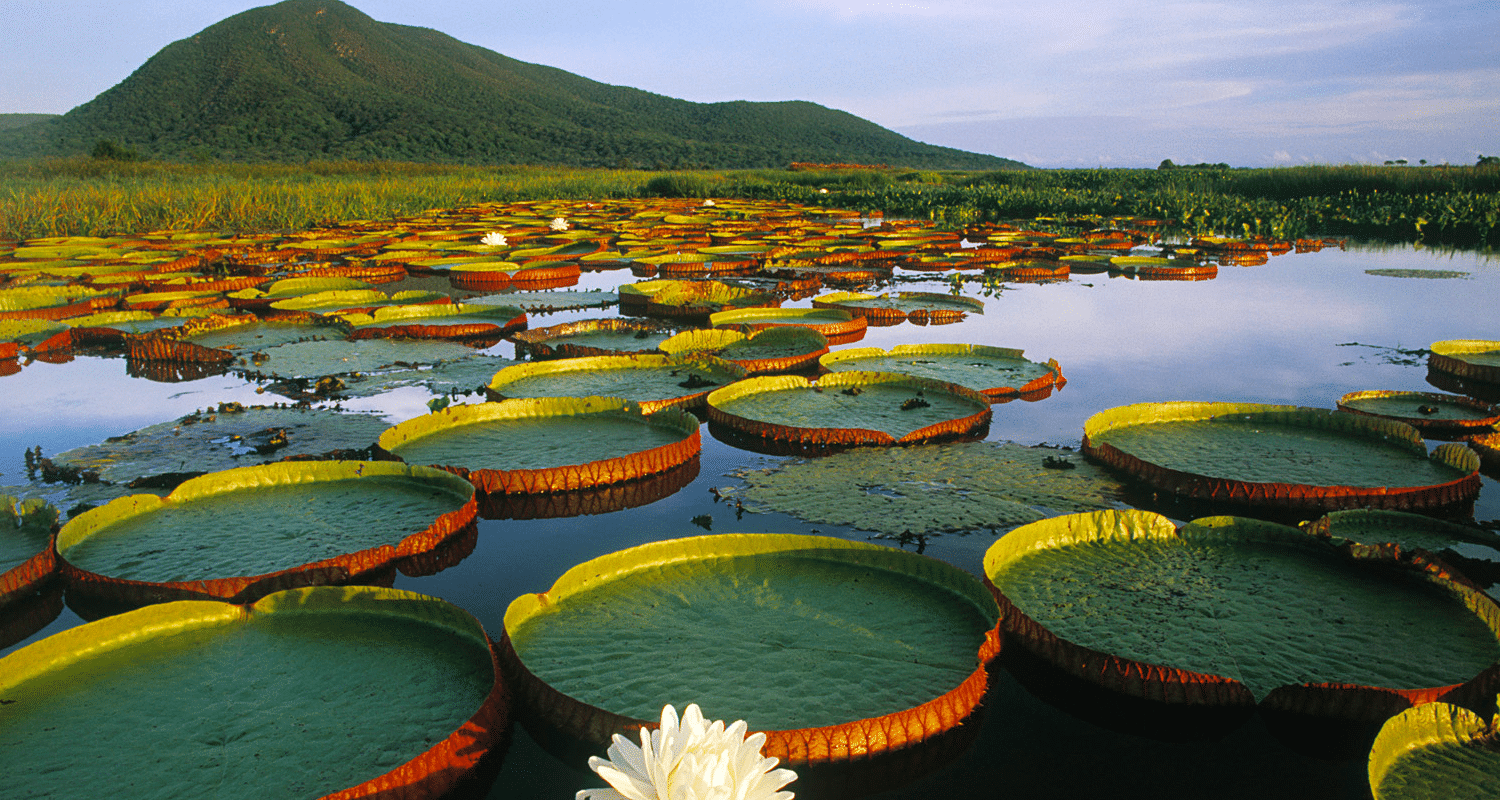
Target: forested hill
column 320, row 79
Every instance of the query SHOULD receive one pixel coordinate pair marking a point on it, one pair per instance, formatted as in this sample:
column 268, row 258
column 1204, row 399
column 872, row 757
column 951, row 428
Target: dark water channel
column 1303, row 329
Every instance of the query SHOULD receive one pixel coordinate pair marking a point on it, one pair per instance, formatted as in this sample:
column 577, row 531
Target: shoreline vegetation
column 84, row 196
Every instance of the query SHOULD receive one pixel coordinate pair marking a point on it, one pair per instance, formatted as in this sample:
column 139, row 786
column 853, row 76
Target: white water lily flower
column 708, row 202
column 693, row 760
column 493, row 239
column 558, row 224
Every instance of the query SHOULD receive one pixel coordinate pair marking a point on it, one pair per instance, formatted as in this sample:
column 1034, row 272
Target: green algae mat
column 548, row 444
column 1252, row 603
column 223, row 533
column 231, row 436
column 930, row 489
column 1280, row 456
column 786, row 632
column 295, row 696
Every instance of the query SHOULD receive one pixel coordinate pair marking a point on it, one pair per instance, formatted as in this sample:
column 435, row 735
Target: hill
column 315, row 79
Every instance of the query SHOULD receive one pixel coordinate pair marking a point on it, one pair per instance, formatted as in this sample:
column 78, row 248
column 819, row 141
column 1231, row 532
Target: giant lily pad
column 1443, row 416
column 534, row 445
column 1284, row 457
column 654, row 381
column 1471, row 359
column 930, row 489
column 998, row 372
column 889, row 309
column 456, row 321
column 1437, row 750
column 1229, row 611
column 197, row 699
column 337, row 357
column 836, row 648
column 1474, row 551
column 849, row 408
column 593, row 337
column 243, row 533
column 695, row 299
column 243, row 334
column 783, row 348
column 831, row 322
column 231, row 436
column 26, row 558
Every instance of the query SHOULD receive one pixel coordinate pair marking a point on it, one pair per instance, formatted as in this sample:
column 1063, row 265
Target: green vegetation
column 92, row 196
column 313, row 80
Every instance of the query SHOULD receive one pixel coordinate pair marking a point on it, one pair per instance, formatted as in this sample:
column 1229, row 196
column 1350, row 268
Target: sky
column 1063, row 83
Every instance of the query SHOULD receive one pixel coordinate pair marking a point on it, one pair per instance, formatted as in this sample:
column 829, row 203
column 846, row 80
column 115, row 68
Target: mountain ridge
column 312, row 79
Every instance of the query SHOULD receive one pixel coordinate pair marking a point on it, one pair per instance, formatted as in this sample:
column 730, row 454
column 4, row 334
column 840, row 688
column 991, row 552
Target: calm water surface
column 1303, row 329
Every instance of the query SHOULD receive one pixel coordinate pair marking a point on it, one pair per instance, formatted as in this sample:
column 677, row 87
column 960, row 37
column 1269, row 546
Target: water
column 1303, row 329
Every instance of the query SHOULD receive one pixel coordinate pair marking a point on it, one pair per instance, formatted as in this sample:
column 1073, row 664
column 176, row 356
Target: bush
column 677, row 184
column 110, row 150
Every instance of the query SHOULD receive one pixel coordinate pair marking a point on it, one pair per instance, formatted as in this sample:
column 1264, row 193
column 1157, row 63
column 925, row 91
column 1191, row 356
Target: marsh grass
column 85, row 196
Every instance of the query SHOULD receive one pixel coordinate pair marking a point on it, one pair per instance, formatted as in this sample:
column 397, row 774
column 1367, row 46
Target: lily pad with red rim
column 243, row 533
column 1436, row 751
column 653, row 381
column 1443, row 416
column 849, row 409
column 553, row 444
column 270, row 699
column 998, row 372
column 1280, row 457
column 1230, row 611
column 1469, row 359
column 845, row 653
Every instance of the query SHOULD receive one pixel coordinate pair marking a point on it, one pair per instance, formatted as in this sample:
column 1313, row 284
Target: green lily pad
column 455, row 321
column 783, row 348
column 549, row 444
column 674, row 298
column 249, row 336
column 819, row 640
column 211, row 441
column 1474, row 359
column 138, row 321
column 29, row 333
column 830, row 322
column 549, row 301
column 654, row 381
column 25, row 529
column 335, row 301
column 339, row 357
column 1259, row 604
column 1433, row 752
column 271, row 526
column 1474, row 551
column 931, row 489
column 998, row 372
column 594, row 337
column 849, row 408
column 1280, row 456
column 273, row 700
column 893, row 308
column 1432, row 413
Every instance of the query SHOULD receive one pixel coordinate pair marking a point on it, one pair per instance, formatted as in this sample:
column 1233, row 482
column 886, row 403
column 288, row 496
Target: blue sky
column 1065, row 83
